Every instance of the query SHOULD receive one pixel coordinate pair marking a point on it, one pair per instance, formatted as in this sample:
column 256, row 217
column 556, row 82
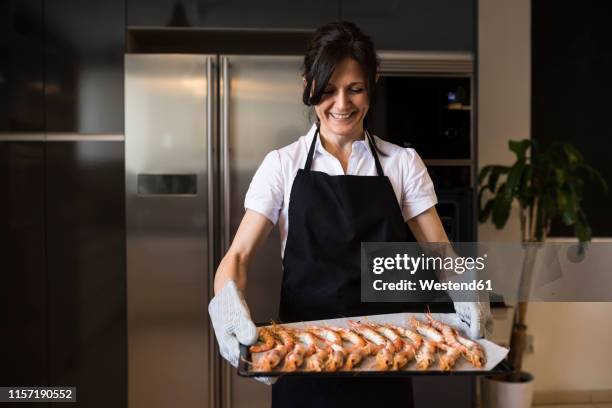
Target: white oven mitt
column 232, row 322
column 477, row 317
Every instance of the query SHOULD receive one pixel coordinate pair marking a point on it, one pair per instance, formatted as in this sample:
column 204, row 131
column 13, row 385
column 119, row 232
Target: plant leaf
column 514, row 178
column 582, row 230
column 501, row 208
column 567, row 203
column 484, row 172
column 519, row 147
column 525, row 187
column 573, row 155
column 594, row 175
column 494, row 177
column 484, row 213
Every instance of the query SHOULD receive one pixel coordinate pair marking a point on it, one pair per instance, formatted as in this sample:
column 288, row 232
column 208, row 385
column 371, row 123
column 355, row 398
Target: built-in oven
column 424, row 101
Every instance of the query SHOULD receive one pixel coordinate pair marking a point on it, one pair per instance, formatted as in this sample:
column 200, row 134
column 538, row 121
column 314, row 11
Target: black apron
column 329, row 217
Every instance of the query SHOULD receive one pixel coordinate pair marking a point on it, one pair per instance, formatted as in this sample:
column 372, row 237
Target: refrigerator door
column 261, row 110
column 169, row 102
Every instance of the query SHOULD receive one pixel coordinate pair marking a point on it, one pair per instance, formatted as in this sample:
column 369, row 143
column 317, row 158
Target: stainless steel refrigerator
column 197, row 127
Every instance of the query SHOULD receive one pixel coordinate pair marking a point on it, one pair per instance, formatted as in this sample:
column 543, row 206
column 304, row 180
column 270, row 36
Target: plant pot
column 501, row 392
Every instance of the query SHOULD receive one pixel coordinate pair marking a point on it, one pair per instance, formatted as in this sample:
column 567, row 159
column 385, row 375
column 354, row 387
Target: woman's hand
column 232, row 322
column 427, row 227
column 477, row 316
column 228, row 310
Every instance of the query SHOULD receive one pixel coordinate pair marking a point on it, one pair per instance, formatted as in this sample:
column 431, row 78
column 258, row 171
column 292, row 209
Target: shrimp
column 425, row 355
column 469, row 348
column 272, row 358
column 315, row 355
column 449, row 334
column 384, row 356
column 358, row 351
column 349, row 336
column 404, row 351
column 449, row 358
column 388, row 333
column 414, row 337
column 475, row 354
column 408, row 351
column 267, row 339
column 295, row 358
column 336, row 357
column 316, row 362
column 354, row 357
column 371, row 335
column 307, row 339
column 402, row 357
column 326, row 333
column 427, row 330
column 285, row 336
column 334, row 351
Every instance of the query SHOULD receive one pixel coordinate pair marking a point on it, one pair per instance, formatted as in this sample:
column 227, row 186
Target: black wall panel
column 23, row 292
column 430, row 25
column 571, row 88
column 86, row 267
column 21, row 66
column 84, row 47
column 393, row 24
column 232, row 13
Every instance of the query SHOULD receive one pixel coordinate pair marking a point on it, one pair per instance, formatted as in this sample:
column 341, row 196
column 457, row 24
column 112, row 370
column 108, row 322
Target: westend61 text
column 433, row 285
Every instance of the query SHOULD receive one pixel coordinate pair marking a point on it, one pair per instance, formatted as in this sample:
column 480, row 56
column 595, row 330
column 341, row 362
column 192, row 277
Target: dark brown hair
column 331, row 44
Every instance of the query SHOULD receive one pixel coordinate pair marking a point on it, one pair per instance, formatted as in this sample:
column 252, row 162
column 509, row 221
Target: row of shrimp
column 443, row 337
column 330, row 348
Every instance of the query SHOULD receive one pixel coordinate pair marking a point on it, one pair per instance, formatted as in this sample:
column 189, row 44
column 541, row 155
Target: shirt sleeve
column 419, row 193
column 265, row 193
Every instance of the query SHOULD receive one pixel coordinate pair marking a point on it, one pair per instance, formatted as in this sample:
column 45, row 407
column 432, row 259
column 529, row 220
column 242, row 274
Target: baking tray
column 501, row 365
column 245, row 371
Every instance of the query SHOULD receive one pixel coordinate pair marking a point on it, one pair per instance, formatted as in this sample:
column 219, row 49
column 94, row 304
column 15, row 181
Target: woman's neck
column 340, row 146
column 334, row 141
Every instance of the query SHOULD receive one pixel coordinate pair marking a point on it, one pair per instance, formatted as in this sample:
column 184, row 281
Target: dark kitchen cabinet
column 430, row 25
column 23, row 292
column 86, row 269
column 21, row 66
column 231, row 13
column 84, row 47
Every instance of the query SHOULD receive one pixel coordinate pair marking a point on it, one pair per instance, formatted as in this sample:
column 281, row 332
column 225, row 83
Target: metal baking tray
column 244, row 370
column 496, row 355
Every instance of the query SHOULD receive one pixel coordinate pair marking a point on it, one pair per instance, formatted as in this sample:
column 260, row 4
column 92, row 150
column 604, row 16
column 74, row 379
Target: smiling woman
column 329, row 191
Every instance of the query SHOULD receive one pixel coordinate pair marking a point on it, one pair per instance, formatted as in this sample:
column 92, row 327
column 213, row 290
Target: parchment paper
column 494, row 354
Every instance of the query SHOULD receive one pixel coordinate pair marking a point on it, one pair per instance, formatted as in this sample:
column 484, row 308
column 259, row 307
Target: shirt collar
column 359, row 144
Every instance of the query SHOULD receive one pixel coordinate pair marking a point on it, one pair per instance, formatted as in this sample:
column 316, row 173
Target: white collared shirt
column 270, row 188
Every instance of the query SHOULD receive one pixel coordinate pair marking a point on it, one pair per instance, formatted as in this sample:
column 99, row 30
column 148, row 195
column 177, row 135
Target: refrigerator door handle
column 225, row 96
column 211, row 83
column 226, row 372
column 214, row 399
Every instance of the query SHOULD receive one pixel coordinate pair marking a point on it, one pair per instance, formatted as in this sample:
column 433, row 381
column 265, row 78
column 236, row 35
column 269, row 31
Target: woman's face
column 345, row 101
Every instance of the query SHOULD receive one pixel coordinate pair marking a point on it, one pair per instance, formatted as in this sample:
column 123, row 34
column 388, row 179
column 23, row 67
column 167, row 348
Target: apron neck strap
column 311, row 150
column 379, row 169
column 310, row 157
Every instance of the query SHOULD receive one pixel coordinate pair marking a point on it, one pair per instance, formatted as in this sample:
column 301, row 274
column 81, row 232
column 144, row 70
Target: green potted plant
column 547, row 184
